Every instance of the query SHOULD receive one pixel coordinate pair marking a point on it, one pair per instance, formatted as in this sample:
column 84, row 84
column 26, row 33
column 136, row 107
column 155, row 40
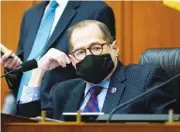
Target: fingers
column 7, row 63
column 6, row 56
column 10, row 60
column 60, row 57
column 52, row 59
column 14, row 63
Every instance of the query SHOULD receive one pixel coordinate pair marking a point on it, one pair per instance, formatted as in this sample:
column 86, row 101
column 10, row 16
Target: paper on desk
column 38, row 118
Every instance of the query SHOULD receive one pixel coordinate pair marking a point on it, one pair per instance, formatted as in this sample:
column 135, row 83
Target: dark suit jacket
column 130, row 81
column 74, row 12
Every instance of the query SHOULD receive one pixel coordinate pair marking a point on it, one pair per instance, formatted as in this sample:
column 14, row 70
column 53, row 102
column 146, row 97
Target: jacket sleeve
column 31, row 109
column 58, row 98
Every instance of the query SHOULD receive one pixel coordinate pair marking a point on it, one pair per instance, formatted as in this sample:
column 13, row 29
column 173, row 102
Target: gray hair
column 105, row 31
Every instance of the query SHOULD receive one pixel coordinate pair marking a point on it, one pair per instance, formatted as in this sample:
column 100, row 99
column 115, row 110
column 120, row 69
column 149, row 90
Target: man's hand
column 10, row 60
column 52, row 59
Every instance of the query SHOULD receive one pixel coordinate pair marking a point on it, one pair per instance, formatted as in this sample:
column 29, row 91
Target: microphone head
column 29, row 65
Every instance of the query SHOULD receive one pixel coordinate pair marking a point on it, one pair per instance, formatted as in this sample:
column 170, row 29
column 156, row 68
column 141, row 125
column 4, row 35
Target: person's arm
column 36, row 78
column 52, row 59
column 29, row 104
column 31, row 92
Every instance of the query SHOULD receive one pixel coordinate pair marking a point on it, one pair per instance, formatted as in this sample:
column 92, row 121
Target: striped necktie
column 40, row 42
column 92, row 104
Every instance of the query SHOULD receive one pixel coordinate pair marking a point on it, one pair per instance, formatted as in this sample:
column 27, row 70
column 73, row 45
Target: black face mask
column 94, row 68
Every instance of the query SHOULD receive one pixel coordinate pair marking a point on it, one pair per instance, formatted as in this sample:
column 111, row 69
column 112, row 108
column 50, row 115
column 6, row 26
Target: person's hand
column 52, row 59
column 10, row 60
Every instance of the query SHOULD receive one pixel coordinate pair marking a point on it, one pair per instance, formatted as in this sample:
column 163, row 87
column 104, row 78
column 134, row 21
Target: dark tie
column 92, row 104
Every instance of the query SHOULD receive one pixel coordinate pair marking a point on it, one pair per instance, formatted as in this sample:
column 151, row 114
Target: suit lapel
column 115, row 90
column 35, row 22
column 63, row 22
column 77, row 96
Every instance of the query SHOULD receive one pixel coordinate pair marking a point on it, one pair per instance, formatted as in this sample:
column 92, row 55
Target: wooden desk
column 90, row 127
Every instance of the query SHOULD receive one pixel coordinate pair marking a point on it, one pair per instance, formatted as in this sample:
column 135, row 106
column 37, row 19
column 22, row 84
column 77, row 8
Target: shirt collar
column 105, row 84
column 62, row 3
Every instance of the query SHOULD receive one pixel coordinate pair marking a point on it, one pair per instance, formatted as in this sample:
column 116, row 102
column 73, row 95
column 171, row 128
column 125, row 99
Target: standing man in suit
column 43, row 27
column 104, row 82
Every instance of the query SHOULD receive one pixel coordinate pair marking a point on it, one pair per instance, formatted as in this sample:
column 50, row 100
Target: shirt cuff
column 30, row 94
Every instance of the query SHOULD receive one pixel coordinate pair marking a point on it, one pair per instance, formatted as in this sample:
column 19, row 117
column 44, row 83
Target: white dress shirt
column 32, row 94
column 58, row 12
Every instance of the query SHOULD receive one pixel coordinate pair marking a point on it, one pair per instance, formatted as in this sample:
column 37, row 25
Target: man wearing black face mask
column 104, row 82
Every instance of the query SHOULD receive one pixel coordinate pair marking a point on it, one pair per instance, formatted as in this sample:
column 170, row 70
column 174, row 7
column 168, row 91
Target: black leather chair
column 168, row 59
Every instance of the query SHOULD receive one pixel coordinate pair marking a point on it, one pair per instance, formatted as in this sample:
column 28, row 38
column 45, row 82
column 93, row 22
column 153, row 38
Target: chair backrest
column 167, row 58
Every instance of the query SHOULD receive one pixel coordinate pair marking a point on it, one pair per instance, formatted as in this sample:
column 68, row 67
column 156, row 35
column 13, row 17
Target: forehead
column 85, row 36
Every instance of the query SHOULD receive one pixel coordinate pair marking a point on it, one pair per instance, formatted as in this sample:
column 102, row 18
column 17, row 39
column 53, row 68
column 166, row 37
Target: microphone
column 26, row 66
column 142, row 95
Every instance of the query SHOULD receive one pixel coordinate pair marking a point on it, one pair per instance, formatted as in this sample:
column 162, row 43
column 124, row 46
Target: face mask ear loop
column 111, row 50
column 115, row 65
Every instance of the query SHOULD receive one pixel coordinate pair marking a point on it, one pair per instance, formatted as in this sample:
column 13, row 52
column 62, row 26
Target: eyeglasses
column 95, row 49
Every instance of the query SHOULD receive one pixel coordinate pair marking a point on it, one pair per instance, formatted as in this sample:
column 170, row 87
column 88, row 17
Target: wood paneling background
column 139, row 25
column 144, row 24
column 154, row 25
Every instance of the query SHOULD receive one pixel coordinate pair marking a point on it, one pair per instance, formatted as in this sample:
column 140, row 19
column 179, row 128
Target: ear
column 115, row 47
